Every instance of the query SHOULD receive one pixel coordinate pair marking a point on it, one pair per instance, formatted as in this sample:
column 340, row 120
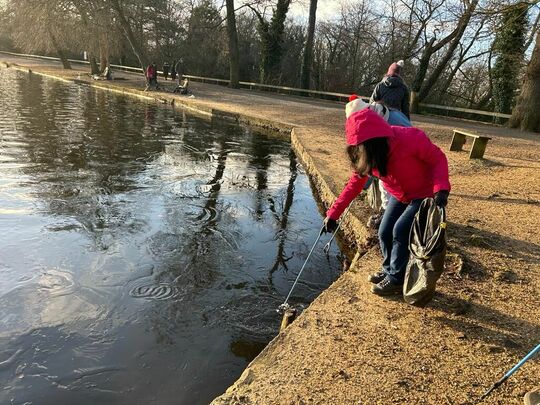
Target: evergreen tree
column 526, row 114
column 271, row 37
column 508, row 47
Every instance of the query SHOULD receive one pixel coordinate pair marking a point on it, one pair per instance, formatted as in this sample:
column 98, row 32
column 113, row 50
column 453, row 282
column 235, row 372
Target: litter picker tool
column 288, row 312
column 326, row 248
column 512, row 371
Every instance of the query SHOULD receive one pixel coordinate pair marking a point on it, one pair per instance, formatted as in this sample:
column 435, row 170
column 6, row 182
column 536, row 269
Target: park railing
column 433, row 109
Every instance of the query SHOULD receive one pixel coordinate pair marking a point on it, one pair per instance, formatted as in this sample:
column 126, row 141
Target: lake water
column 143, row 251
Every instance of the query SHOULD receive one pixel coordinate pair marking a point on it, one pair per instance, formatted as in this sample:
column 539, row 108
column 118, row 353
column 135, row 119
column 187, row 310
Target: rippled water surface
column 143, row 252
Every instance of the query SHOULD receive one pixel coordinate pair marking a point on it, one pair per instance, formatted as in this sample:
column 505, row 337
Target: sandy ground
column 350, row 347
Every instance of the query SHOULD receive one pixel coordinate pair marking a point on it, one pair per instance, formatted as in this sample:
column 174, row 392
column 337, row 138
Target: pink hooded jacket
column 416, row 167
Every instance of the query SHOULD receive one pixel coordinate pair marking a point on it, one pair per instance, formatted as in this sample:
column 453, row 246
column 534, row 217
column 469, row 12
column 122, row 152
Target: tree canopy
column 467, row 53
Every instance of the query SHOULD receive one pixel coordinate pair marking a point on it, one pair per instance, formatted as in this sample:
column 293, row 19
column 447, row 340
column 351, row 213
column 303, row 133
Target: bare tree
column 308, row 50
column 232, row 35
column 423, row 82
column 120, row 9
column 52, row 27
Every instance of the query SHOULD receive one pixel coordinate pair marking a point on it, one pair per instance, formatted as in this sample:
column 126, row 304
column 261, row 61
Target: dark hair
column 369, row 155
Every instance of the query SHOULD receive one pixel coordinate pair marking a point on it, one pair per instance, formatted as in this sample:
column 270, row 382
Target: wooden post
column 458, row 140
column 288, row 316
column 478, row 148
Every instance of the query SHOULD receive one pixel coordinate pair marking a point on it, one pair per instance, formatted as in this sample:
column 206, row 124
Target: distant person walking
column 165, row 69
column 151, row 76
column 392, row 90
column 173, row 70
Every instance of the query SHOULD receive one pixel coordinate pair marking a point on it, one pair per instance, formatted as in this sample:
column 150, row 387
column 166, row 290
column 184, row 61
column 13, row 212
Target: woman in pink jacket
column 411, row 168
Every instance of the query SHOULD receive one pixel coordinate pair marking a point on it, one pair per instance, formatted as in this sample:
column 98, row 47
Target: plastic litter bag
column 427, row 244
column 374, row 194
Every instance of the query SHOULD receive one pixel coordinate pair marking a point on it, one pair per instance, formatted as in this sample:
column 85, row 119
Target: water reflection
column 144, row 251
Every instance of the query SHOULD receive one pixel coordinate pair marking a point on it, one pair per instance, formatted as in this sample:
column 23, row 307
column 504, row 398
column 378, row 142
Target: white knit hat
column 355, row 104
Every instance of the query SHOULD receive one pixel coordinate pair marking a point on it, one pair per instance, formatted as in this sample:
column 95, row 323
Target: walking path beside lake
column 351, row 347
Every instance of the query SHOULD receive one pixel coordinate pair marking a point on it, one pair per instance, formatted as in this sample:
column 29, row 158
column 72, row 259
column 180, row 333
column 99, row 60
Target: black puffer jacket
column 394, row 93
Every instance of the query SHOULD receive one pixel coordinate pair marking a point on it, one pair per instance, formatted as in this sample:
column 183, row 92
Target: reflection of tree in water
column 210, row 253
column 261, row 160
column 196, row 265
column 212, row 239
column 283, row 219
column 86, row 152
column 202, row 247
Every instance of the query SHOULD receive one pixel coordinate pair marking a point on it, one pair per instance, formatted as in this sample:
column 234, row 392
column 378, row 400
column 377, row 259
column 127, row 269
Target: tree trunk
column 94, row 68
column 441, row 66
column 103, row 58
column 130, row 36
column 308, row 50
column 234, row 57
column 526, row 113
column 414, row 103
column 421, row 72
column 420, row 85
column 61, row 54
column 65, row 62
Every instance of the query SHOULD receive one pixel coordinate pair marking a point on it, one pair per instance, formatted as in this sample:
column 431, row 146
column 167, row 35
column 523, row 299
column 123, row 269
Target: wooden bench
column 478, row 147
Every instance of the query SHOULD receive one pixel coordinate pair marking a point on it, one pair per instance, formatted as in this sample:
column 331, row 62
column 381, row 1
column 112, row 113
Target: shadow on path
column 478, row 322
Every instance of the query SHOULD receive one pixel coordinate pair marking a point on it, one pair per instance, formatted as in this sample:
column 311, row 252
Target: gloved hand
column 330, row 225
column 441, row 198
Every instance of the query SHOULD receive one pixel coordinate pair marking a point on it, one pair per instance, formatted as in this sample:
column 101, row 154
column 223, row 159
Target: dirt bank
column 350, row 347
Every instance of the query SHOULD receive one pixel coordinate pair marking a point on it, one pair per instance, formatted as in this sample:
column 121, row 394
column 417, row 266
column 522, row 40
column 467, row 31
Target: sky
column 326, row 9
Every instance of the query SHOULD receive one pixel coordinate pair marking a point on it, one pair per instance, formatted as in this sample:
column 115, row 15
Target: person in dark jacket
column 392, row 90
column 165, row 69
column 173, row 70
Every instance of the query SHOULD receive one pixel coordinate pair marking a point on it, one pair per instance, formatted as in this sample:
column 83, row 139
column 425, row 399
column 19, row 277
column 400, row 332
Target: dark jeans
column 394, row 237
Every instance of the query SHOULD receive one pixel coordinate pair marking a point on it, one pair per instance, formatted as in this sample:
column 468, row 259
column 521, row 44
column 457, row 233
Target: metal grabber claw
column 326, row 248
column 283, row 308
column 289, row 315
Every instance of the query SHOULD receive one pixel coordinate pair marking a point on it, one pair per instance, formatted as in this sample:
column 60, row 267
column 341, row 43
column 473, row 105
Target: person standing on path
column 392, row 90
column 151, row 76
column 410, row 167
column 173, row 70
column 165, row 69
column 393, row 117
